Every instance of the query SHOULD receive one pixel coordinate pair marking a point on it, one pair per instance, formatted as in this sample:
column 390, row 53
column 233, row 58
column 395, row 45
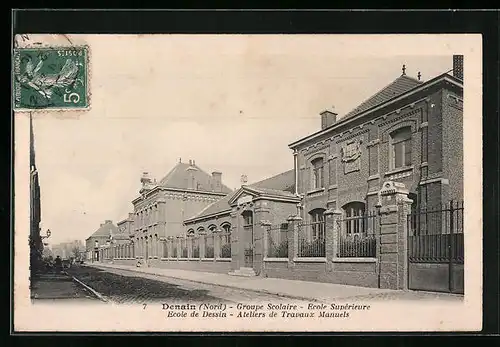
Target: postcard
column 240, row 183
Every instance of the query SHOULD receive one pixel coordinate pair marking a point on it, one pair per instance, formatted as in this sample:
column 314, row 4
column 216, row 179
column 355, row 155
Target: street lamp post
column 111, row 247
column 47, row 234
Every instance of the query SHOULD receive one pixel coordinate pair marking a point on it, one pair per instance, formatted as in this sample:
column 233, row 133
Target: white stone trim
column 276, row 260
column 223, row 259
column 310, row 260
column 354, row 260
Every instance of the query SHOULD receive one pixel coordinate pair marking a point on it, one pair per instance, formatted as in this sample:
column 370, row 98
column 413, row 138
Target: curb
column 93, row 291
column 263, row 291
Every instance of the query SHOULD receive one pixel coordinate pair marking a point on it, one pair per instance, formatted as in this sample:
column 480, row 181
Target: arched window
column 317, row 173
column 400, row 148
column 354, row 213
column 227, row 228
column 318, row 223
column 190, row 232
column 212, row 228
column 200, row 230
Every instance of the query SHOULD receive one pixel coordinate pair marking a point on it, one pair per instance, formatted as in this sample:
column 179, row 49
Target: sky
column 231, row 103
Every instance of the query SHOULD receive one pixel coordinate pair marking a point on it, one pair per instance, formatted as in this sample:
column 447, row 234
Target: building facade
column 235, row 225
column 410, row 132
column 161, row 208
column 358, row 177
column 95, row 243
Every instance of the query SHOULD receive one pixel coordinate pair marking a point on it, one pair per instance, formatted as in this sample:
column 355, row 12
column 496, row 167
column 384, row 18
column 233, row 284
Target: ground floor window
column 354, row 213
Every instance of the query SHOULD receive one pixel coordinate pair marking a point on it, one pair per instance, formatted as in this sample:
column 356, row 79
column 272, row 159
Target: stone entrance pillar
column 393, row 245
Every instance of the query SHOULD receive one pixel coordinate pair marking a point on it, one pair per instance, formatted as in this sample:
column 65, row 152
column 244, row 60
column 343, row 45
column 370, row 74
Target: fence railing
column 195, row 247
column 209, row 246
column 184, row 248
column 311, row 237
column 356, row 236
column 277, row 241
column 214, row 245
column 437, row 234
column 225, row 245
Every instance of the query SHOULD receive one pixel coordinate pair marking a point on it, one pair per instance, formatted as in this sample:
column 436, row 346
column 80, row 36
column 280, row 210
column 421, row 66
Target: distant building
column 161, row 208
column 95, row 242
column 67, row 250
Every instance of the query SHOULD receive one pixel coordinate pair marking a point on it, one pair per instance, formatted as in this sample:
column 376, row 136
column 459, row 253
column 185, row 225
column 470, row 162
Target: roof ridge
column 269, row 178
column 358, row 108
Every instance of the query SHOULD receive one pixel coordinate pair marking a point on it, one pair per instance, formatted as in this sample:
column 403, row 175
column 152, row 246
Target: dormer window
column 401, row 148
column 317, row 173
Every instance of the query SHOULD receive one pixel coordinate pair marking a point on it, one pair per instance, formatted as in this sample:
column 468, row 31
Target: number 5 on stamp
column 51, row 78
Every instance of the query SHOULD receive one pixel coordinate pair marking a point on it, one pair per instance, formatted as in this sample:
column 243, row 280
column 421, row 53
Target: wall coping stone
column 354, row 260
column 310, row 260
column 276, row 260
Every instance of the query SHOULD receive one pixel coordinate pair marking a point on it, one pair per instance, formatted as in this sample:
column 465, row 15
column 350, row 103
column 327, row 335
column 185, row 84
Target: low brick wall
column 359, row 272
column 218, row 266
column 204, row 265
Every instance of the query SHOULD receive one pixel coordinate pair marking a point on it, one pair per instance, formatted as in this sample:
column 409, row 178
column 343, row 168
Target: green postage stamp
column 51, row 78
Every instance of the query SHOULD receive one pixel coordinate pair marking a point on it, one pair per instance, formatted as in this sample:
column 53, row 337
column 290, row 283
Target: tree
column 76, row 252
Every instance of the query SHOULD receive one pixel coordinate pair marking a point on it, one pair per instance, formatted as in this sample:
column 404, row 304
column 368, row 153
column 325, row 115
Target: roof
column 283, row 181
column 270, row 191
column 282, row 184
column 105, row 229
column 400, row 85
column 178, row 178
column 214, row 208
column 358, row 112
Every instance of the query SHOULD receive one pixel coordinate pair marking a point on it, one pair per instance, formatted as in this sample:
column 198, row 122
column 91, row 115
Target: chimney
column 130, row 216
column 328, row 118
column 458, row 67
column 145, row 179
column 217, row 181
column 102, row 224
column 108, row 221
column 191, row 184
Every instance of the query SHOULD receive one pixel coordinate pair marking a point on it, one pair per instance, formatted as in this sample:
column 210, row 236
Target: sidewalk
column 58, row 286
column 301, row 290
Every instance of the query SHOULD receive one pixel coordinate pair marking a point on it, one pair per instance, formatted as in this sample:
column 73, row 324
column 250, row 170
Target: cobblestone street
column 122, row 286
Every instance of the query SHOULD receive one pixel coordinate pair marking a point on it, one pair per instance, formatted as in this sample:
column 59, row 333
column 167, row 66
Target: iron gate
column 436, row 249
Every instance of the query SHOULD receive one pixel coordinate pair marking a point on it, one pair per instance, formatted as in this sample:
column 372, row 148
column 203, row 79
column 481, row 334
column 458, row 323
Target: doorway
column 248, row 246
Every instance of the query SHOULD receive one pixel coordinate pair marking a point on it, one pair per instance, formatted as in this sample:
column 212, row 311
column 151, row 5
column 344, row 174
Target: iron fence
column 174, row 249
column 184, row 248
column 277, row 241
column 195, row 247
column 225, row 245
column 166, row 249
column 209, row 246
column 311, row 239
column 356, row 236
column 436, row 234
